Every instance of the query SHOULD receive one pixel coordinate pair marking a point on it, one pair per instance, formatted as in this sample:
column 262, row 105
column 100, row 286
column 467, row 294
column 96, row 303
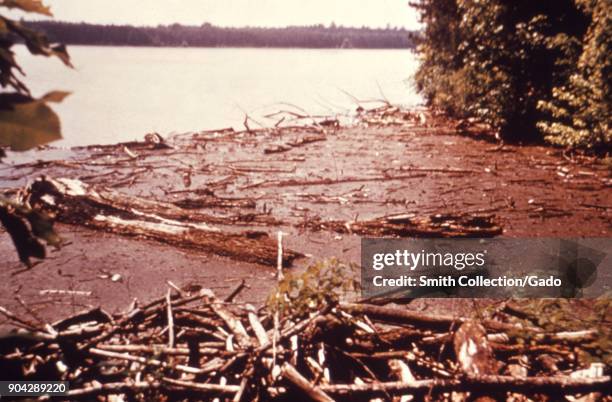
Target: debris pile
column 199, row 347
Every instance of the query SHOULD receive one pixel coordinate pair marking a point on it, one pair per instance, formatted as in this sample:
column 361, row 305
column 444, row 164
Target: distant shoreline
column 72, row 45
column 210, row 36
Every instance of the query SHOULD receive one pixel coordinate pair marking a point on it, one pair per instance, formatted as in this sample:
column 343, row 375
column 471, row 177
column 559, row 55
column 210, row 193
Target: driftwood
column 224, row 351
column 307, row 139
column 77, row 203
column 409, row 225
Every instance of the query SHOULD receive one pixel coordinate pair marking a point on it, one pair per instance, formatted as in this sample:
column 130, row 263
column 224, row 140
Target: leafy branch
column 26, row 122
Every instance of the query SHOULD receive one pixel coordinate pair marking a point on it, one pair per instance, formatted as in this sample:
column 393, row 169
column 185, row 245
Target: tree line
column 208, row 35
column 531, row 69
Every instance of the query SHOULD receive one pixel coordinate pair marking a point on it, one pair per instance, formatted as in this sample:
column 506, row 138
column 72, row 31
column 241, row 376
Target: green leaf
column 28, row 125
column 30, row 6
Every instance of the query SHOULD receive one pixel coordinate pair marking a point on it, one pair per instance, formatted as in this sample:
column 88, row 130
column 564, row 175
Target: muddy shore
column 295, row 179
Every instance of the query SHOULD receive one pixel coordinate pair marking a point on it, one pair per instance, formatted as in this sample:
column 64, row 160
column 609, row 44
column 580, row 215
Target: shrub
column 531, row 70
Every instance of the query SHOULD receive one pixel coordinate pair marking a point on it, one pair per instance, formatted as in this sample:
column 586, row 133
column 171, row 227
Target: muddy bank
column 315, row 182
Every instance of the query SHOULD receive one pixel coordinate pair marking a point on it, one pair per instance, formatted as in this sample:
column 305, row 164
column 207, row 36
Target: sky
column 372, row 13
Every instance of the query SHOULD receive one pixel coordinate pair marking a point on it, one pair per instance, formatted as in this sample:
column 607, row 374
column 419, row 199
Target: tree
column 580, row 108
column 26, row 122
column 530, row 69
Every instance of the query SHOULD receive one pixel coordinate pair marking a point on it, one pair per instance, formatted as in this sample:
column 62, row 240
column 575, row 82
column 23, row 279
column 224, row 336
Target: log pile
column 198, row 347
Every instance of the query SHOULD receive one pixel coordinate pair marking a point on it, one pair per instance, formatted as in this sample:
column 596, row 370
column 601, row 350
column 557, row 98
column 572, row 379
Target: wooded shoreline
column 207, row 35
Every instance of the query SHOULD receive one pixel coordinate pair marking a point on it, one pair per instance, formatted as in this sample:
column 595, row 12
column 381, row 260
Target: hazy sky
column 373, row 13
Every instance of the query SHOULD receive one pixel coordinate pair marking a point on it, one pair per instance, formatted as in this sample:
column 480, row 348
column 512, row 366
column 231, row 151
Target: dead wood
column 335, row 352
column 492, row 383
column 76, row 203
column 311, row 391
column 421, row 320
column 409, row 225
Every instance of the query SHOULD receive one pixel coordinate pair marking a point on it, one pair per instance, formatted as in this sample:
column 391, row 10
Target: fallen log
column 409, row 225
column 74, row 202
column 557, row 384
column 423, row 321
column 311, row 391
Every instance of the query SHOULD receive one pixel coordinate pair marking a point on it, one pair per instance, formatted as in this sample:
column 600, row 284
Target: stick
column 13, row 317
column 310, row 390
column 207, row 388
column 279, row 278
column 64, row 292
column 258, row 329
column 425, row 321
column 234, row 324
column 178, row 290
column 235, row 293
column 170, row 319
column 150, row 362
column 160, row 349
column 279, row 258
column 558, row 384
column 111, row 388
column 322, row 182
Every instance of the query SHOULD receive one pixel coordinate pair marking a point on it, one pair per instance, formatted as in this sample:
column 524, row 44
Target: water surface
column 122, row 93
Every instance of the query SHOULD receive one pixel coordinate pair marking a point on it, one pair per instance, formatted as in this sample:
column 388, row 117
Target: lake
column 122, row 93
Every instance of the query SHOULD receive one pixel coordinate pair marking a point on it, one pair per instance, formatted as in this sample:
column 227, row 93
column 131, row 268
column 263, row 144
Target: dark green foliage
column 208, row 35
column 530, row 69
column 579, row 111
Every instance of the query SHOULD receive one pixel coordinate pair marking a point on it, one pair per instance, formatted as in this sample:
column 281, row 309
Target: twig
column 279, row 258
column 11, row 316
column 206, row 388
column 170, row 319
column 64, row 292
column 151, row 362
column 235, row 292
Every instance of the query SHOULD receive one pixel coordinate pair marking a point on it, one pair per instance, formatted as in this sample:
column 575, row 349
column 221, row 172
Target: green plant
column 580, row 109
column 531, row 70
column 561, row 315
column 322, row 283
